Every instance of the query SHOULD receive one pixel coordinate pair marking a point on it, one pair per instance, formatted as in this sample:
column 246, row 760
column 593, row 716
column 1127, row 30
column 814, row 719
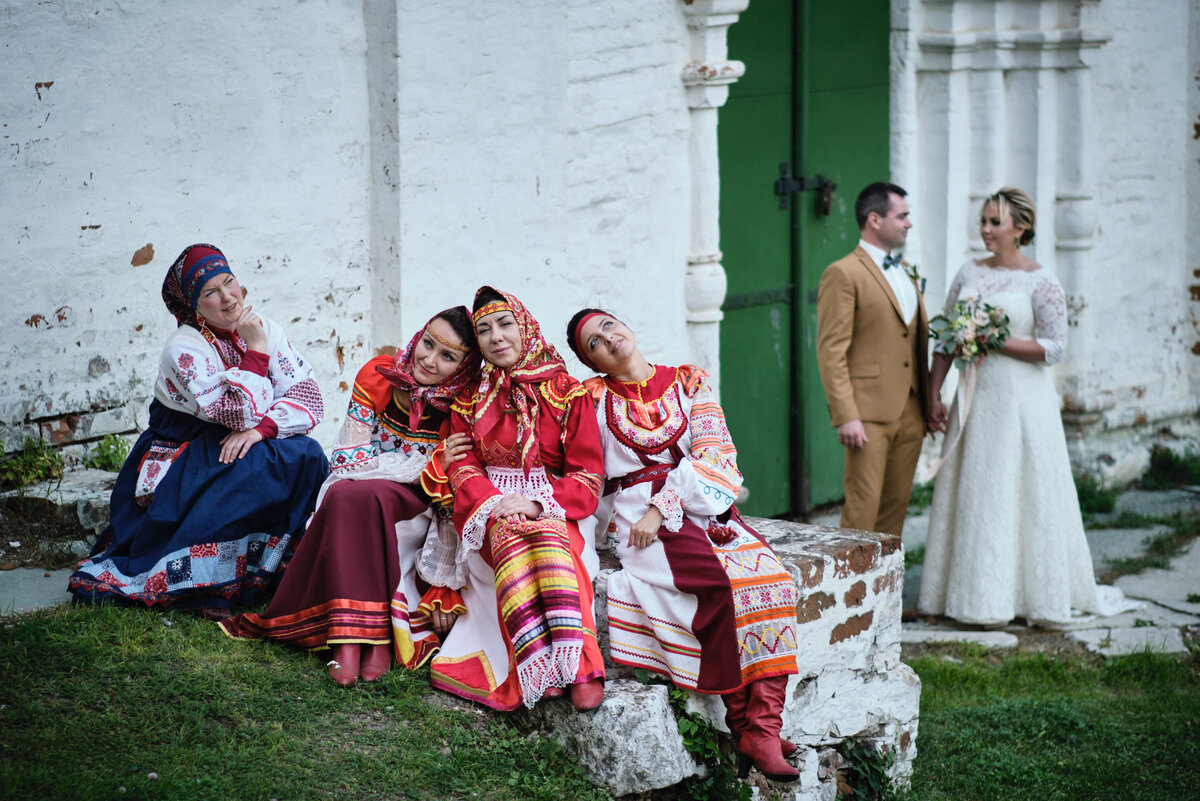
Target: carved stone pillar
column 707, row 77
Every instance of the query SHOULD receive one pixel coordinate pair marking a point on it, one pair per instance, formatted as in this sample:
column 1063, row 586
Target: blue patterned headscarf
column 187, row 276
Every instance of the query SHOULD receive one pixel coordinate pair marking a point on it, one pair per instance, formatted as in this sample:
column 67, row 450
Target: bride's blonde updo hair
column 1012, row 201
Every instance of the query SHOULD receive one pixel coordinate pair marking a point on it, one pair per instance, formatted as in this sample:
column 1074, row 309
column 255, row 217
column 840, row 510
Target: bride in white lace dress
column 1005, row 533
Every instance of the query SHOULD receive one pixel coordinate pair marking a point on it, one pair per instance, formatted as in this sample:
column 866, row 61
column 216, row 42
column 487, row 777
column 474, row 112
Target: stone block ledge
column 851, row 686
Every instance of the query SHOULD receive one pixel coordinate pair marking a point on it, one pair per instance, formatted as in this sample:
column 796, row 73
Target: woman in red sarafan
column 521, row 495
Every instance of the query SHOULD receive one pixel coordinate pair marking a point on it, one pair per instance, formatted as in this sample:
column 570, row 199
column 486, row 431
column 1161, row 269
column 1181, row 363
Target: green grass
column 1030, row 726
column 1094, row 499
column 921, row 497
column 1168, row 469
column 95, row 700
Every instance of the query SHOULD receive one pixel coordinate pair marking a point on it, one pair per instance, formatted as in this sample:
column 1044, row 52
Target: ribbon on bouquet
column 963, row 395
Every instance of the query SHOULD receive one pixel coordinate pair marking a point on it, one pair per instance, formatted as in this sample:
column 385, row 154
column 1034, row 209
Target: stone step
column 83, row 493
column 851, row 686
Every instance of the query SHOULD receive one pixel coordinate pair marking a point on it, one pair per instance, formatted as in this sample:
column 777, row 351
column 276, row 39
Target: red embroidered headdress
column 440, row 395
column 516, row 387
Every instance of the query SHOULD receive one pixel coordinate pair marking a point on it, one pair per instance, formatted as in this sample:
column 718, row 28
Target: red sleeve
column 578, row 491
column 468, row 478
column 255, row 362
column 434, row 480
column 267, row 428
column 443, row 598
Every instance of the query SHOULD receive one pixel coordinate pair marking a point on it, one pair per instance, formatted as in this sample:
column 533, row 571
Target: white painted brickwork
column 361, row 168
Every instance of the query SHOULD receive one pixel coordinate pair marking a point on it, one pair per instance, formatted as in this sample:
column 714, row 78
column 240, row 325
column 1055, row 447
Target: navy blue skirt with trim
column 186, row 531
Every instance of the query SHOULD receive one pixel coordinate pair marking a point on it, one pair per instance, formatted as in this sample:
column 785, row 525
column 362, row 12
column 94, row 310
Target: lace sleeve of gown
column 1050, row 318
column 951, row 298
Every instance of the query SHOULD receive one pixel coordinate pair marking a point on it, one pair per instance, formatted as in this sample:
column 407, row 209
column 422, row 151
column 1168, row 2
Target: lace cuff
column 550, row 507
column 668, row 503
column 475, row 529
column 1054, row 349
column 438, row 562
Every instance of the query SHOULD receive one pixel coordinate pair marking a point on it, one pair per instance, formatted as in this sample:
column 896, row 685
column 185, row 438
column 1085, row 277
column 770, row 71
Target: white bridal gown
column 1005, row 533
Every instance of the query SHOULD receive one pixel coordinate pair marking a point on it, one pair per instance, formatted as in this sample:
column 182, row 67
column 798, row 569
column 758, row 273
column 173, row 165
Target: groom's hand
column 852, row 434
column 938, row 418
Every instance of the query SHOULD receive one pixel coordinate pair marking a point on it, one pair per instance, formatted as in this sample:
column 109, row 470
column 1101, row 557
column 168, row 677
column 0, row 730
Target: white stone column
column 707, row 77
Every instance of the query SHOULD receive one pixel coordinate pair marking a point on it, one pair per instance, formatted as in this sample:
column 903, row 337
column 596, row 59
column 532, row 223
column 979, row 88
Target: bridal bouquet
column 971, row 329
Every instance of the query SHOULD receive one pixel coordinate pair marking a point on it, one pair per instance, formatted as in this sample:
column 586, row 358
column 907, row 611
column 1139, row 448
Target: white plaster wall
column 362, row 165
column 1192, row 177
column 127, row 124
column 1143, row 110
column 544, row 151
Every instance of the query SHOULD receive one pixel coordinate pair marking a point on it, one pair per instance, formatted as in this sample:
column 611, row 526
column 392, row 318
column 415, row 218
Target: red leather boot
column 759, row 745
column 735, row 711
column 735, row 718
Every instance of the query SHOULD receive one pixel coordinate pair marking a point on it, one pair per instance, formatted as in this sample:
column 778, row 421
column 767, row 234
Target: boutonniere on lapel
column 916, row 276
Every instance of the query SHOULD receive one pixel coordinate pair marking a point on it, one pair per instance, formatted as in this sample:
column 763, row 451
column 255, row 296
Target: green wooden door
column 814, row 96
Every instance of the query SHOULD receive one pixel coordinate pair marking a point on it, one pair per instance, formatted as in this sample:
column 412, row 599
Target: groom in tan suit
column 872, row 336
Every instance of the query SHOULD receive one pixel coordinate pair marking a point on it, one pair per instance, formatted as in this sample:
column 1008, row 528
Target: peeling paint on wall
column 143, row 255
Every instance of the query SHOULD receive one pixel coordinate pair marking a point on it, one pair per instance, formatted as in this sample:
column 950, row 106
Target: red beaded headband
column 490, row 308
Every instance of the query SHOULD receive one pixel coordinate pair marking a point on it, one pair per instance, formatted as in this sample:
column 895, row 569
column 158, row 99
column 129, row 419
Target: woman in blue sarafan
column 217, row 491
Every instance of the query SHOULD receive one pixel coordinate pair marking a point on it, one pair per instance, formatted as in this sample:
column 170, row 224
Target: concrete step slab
column 1125, row 641
column 26, row 589
column 1171, row 586
column 1159, row 503
column 916, row 634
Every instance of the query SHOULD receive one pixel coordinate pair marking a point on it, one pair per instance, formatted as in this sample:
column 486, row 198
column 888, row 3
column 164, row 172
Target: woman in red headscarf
column 520, row 494
column 375, row 575
column 217, row 489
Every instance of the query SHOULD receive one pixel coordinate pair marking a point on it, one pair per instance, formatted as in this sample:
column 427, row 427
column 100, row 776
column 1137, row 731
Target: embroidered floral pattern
column 667, row 502
column 638, row 429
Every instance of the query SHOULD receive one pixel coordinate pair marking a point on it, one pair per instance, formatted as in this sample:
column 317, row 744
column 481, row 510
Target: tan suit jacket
column 868, row 357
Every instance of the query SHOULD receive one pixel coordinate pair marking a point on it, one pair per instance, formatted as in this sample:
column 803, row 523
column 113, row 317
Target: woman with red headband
column 520, row 493
column 216, row 491
column 700, row 597
column 375, row 575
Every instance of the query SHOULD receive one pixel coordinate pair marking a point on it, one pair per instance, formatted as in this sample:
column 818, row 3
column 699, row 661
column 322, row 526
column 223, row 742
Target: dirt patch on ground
column 45, row 536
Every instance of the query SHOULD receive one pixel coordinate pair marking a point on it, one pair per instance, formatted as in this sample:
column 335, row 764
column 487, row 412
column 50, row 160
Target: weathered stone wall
column 363, row 165
column 132, row 129
column 851, row 686
column 1137, row 321
column 552, row 162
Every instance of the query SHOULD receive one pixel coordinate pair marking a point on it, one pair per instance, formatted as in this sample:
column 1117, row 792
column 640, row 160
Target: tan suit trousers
column 878, row 477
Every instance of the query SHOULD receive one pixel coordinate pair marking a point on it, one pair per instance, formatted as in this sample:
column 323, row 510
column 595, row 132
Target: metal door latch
column 788, row 185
